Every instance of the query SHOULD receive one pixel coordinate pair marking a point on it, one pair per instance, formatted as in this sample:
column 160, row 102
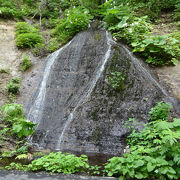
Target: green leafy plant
column 4, row 71
column 27, row 35
column 74, row 20
column 23, row 127
column 8, row 154
column 24, row 27
column 13, row 86
column 53, row 45
column 61, row 163
column 27, row 40
column 124, row 22
column 17, row 166
column 154, row 151
column 160, row 50
column 117, row 80
column 26, row 63
column 14, row 117
column 160, row 111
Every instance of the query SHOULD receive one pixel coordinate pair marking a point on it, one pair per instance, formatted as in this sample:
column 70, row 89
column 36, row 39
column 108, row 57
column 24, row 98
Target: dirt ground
column 169, row 75
column 10, row 57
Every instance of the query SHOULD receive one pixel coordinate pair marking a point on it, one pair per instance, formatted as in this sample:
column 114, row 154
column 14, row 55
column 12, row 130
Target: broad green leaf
column 150, row 167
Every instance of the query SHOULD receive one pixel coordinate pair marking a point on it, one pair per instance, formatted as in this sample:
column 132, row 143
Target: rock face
column 77, row 108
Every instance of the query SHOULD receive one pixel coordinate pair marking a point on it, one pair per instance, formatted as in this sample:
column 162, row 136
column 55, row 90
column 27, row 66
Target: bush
column 27, row 36
column 24, row 27
column 75, row 20
column 28, row 40
column 13, row 86
column 154, row 152
column 8, row 9
column 160, row 50
column 160, row 111
column 26, row 63
column 61, row 163
column 14, row 117
column 53, row 45
column 11, row 111
column 136, row 31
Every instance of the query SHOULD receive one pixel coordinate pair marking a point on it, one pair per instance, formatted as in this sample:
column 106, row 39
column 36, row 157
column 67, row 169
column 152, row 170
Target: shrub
column 160, row 50
column 24, row 27
column 53, row 45
column 8, row 9
column 136, row 31
column 11, row 111
column 75, row 20
column 154, row 152
column 28, row 40
column 15, row 119
column 160, row 111
column 27, row 36
column 40, row 49
column 61, row 163
column 13, row 86
column 26, row 63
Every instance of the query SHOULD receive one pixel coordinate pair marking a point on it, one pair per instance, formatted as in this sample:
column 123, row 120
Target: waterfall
column 89, row 91
column 35, row 112
column 144, row 70
column 65, row 120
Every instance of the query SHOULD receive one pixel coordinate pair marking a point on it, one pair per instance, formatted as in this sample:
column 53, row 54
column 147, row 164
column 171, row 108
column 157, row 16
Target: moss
column 95, row 136
column 95, row 115
column 114, row 60
column 97, row 37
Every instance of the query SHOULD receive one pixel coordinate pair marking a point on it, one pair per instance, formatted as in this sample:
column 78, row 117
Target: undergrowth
column 154, row 151
column 135, row 29
column 16, row 124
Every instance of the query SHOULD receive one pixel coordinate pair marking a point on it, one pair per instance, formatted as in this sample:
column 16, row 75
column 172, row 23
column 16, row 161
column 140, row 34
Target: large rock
column 77, row 108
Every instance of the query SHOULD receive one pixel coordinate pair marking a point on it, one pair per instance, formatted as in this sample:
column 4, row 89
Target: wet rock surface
column 97, row 121
column 98, row 125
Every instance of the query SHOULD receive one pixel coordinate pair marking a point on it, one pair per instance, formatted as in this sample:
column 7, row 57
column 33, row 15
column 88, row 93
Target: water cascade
column 90, row 89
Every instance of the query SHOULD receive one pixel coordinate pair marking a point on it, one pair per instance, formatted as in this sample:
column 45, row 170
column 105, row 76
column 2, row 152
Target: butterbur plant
column 61, row 163
column 14, row 117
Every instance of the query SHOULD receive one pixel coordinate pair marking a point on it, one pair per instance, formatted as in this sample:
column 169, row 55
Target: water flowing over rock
column 76, row 107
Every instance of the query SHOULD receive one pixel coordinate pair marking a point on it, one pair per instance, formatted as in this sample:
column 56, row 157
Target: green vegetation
column 13, row 86
column 4, row 71
column 26, row 63
column 128, row 22
column 27, row 35
column 74, row 20
column 154, row 151
column 62, row 163
column 117, row 80
column 15, row 121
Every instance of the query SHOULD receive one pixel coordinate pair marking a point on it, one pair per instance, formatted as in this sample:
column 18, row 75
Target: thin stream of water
column 145, row 71
column 36, row 109
column 86, row 96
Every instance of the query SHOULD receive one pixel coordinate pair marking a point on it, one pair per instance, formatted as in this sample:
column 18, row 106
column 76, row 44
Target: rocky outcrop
column 78, row 109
